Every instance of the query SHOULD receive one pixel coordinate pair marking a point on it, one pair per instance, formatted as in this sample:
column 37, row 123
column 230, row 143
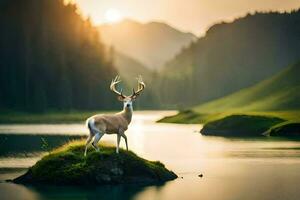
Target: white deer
column 101, row 124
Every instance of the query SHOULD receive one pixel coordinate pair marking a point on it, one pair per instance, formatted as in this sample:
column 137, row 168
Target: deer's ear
column 120, row 98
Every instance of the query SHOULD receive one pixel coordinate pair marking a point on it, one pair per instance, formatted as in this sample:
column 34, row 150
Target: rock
column 117, row 171
column 68, row 166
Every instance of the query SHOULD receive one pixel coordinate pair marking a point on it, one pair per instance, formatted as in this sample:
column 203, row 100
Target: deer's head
column 127, row 100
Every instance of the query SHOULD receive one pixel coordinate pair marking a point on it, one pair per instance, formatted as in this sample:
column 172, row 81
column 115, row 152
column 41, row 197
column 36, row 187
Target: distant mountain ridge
column 231, row 56
column 151, row 43
column 280, row 92
column 129, row 69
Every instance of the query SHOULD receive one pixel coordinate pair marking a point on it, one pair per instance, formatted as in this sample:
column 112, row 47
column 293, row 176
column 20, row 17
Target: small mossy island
column 286, row 129
column 240, row 125
column 68, row 166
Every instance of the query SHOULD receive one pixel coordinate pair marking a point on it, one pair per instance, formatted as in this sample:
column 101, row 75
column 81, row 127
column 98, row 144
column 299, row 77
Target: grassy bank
column 46, row 118
column 272, row 123
column 194, row 117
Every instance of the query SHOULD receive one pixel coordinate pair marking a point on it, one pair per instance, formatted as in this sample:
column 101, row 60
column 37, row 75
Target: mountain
column 151, row 43
column 51, row 59
column 280, row 92
column 231, row 56
column 129, row 68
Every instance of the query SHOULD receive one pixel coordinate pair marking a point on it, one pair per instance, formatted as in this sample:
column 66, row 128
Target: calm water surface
column 232, row 168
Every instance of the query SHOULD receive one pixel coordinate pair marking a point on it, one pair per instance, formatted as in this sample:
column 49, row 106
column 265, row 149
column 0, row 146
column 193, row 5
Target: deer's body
column 112, row 123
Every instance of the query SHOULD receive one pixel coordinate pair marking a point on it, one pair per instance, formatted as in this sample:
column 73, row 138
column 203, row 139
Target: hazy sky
column 187, row 15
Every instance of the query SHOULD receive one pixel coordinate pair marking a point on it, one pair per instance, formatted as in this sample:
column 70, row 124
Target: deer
column 117, row 123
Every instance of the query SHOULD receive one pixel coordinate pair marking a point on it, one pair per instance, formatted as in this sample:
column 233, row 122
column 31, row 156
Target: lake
column 252, row 168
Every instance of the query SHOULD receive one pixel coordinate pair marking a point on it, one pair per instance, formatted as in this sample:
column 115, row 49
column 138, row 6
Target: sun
column 112, row 15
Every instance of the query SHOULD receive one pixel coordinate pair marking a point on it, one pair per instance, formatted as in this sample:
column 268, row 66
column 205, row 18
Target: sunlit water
column 232, row 168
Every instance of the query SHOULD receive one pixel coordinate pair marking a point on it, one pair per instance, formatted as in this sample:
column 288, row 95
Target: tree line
column 52, row 59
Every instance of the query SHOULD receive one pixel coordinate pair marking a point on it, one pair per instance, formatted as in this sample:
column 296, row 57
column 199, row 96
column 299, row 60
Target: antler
column 141, row 87
column 113, row 84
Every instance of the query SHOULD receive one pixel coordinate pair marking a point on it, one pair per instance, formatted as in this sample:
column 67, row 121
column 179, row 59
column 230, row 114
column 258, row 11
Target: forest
column 52, row 59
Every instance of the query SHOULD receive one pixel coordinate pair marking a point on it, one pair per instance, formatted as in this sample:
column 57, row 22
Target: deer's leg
column 88, row 141
column 118, row 142
column 98, row 136
column 125, row 138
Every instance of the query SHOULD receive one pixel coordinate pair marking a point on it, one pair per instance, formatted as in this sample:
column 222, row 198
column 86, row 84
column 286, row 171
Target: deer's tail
column 90, row 123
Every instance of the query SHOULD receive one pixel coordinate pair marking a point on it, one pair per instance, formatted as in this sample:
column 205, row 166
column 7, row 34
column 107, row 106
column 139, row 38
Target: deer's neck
column 127, row 114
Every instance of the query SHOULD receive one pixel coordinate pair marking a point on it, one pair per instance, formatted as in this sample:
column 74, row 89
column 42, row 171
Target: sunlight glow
column 112, row 15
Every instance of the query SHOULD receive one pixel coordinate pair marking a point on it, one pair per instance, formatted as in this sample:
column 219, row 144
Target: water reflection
column 25, row 145
column 110, row 192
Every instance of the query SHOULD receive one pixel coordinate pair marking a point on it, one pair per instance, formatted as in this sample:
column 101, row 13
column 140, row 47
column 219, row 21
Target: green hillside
column 281, row 92
column 277, row 96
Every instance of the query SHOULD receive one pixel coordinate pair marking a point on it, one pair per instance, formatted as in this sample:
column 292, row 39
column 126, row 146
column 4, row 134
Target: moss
column 68, row 166
column 240, row 125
